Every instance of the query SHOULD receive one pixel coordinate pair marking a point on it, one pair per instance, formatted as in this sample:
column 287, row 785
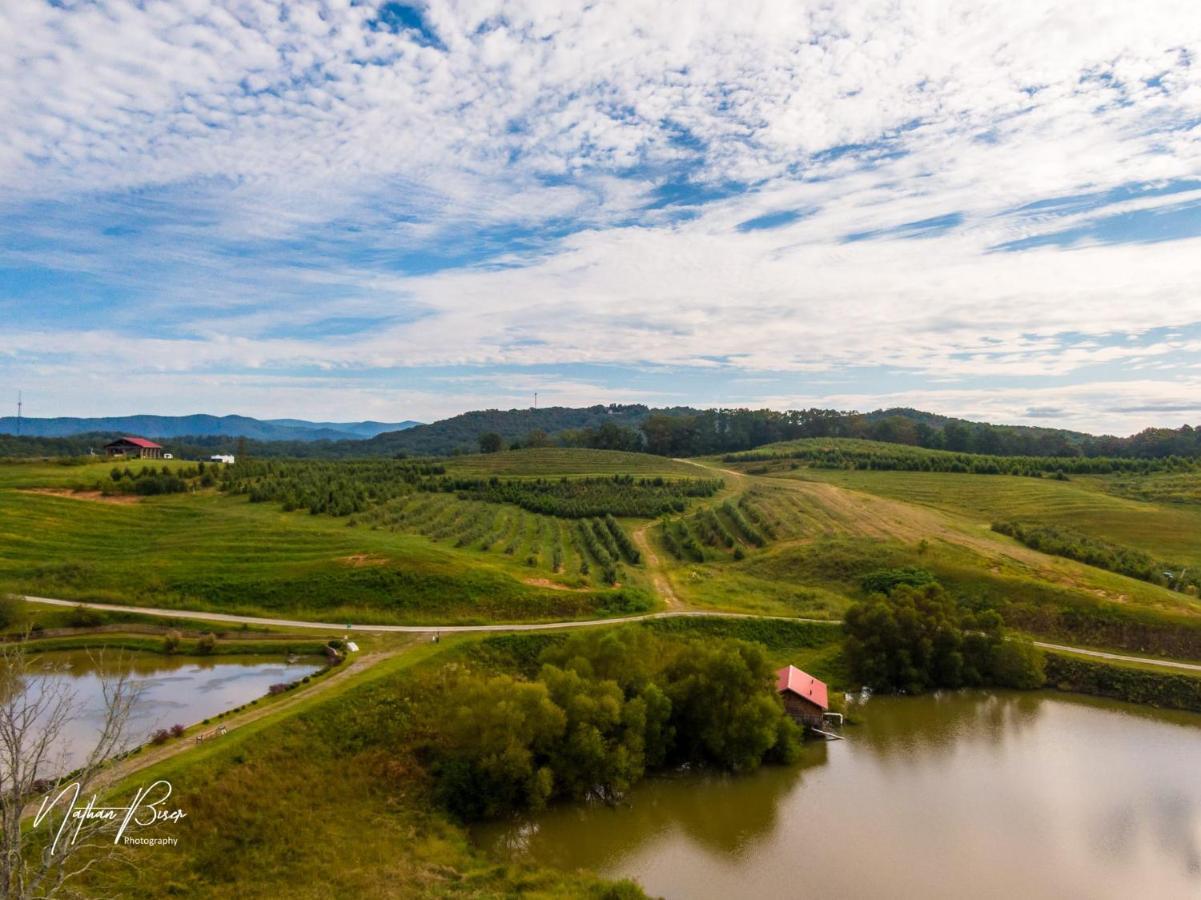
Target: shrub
column 206, row 643
column 884, row 581
column 606, row 706
column 84, row 617
column 917, row 638
column 1171, row 690
column 12, row 611
column 177, row 730
column 171, row 641
column 160, row 736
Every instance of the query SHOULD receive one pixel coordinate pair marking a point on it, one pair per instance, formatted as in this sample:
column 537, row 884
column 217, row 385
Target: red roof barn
column 137, row 447
column 805, row 698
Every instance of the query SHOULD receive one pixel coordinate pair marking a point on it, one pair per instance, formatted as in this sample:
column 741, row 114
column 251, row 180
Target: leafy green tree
column 917, row 638
column 1017, row 664
column 603, row 748
column 490, row 442
column 907, row 641
column 12, row 611
column 724, row 708
column 496, row 735
column 611, row 436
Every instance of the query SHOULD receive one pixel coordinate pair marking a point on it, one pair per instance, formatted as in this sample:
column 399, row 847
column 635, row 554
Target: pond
column 965, row 794
column 175, row 689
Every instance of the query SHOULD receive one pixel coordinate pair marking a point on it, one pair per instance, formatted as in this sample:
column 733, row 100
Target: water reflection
column 174, row 690
column 962, row 794
column 682, row 804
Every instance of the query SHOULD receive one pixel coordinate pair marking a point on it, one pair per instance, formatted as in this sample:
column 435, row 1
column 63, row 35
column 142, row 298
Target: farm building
column 805, row 698
column 135, row 447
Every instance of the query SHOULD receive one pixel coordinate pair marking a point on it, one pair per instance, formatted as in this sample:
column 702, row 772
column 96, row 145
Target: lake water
column 959, row 795
column 175, row 689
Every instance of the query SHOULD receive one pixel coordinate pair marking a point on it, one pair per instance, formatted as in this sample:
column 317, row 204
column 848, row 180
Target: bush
column 917, row 638
column 1069, row 673
column 161, row 736
column 884, row 581
column 1017, row 664
column 171, row 641
column 605, row 707
column 84, row 617
column 12, row 611
column 206, row 643
column 177, row 730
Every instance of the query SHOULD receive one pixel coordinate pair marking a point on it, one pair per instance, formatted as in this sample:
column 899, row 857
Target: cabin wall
column 804, row 711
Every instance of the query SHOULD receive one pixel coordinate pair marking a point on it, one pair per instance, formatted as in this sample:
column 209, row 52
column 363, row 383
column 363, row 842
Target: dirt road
column 655, row 569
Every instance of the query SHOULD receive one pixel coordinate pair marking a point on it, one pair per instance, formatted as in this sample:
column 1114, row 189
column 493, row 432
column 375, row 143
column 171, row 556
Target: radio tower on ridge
column 19, row 404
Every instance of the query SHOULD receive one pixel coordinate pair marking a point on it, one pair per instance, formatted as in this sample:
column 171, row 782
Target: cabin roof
column 792, row 680
column 137, row 442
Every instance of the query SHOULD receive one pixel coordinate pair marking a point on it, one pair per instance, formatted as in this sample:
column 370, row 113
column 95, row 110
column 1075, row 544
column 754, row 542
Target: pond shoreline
column 959, row 783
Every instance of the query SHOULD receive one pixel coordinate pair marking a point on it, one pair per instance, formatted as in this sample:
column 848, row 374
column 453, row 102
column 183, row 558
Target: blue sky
column 341, row 210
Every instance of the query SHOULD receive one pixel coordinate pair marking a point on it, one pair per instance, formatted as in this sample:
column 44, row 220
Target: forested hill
column 682, row 431
column 557, row 424
column 676, row 432
column 198, row 425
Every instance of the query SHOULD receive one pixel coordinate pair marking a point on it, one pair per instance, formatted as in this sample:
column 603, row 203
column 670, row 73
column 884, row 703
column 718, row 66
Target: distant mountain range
column 203, row 426
column 671, row 431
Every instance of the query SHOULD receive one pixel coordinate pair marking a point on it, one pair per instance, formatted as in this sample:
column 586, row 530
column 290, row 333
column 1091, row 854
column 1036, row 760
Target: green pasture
column 1170, row 531
column 217, row 553
column 547, row 461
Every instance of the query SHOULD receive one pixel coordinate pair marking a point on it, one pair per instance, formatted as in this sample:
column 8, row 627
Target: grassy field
column 220, row 553
column 326, row 790
column 817, row 533
column 549, row 461
column 330, row 786
column 779, row 538
column 1085, row 503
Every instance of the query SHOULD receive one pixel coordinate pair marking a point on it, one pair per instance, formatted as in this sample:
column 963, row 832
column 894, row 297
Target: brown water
column 961, row 795
column 175, row 689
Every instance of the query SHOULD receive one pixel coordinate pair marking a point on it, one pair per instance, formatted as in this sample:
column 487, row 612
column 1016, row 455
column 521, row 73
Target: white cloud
column 297, row 154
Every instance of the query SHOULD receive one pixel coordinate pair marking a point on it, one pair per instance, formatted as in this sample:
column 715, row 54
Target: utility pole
column 19, row 405
column 535, row 399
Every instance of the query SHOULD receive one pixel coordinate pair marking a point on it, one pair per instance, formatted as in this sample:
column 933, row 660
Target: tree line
column 848, row 454
column 675, row 431
column 604, row 709
column 912, row 638
column 1071, row 544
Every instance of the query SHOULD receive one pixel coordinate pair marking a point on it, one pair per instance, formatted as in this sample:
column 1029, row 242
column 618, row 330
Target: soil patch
column 94, row 496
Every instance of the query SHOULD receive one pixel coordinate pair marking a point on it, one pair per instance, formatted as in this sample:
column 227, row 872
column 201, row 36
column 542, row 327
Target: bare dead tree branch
column 37, row 704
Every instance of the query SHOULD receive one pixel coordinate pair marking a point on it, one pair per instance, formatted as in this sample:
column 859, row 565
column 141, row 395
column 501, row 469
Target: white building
column 227, row 458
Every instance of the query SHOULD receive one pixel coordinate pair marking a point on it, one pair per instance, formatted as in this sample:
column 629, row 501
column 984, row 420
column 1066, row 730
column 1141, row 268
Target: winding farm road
column 1102, row 654
column 541, row 626
column 658, row 578
column 404, row 629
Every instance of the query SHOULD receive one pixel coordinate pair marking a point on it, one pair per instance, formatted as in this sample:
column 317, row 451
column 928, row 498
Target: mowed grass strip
column 1165, row 530
column 548, row 461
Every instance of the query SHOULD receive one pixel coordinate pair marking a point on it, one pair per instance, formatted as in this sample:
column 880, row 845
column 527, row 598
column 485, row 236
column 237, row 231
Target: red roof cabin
column 805, row 698
column 135, row 448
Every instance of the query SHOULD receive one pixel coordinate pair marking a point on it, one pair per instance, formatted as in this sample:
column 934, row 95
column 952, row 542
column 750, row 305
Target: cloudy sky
column 342, row 210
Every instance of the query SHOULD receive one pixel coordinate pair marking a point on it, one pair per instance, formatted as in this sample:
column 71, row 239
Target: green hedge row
column 775, row 634
column 1162, row 689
